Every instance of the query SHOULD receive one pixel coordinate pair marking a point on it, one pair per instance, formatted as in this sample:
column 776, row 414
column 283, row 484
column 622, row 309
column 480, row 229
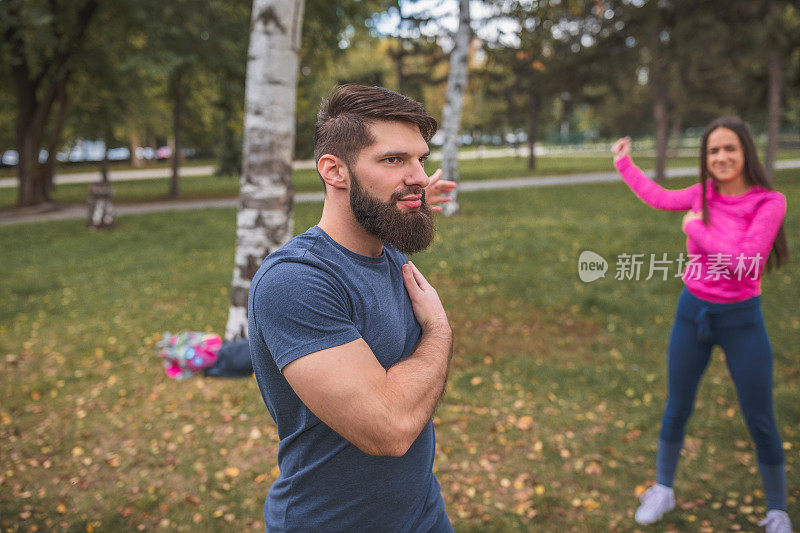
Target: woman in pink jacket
column 733, row 225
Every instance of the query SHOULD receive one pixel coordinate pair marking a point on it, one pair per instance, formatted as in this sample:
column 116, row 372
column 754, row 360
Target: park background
column 551, row 416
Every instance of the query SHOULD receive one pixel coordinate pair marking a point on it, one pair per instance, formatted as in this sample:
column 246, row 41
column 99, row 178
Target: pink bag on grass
column 188, row 353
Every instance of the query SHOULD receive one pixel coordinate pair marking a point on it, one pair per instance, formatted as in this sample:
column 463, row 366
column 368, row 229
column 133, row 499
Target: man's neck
column 342, row 227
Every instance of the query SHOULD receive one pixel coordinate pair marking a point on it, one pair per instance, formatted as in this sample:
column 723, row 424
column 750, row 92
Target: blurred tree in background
column 41, row 42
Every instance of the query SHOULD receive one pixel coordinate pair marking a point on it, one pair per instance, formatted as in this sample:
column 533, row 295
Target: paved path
column 79, row 211
column 119, row 175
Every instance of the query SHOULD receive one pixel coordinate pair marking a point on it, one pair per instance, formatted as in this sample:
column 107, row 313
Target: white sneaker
column 656, row 501
column 777, row 521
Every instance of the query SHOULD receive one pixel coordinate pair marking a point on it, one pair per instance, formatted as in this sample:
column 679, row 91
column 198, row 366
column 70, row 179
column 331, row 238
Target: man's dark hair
column 342, row 123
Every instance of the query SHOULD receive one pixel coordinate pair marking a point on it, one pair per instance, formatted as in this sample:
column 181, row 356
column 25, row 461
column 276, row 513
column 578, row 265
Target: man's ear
column 333, row 171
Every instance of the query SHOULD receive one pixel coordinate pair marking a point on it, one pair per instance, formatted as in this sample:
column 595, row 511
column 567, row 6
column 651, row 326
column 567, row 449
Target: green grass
column 549, row 423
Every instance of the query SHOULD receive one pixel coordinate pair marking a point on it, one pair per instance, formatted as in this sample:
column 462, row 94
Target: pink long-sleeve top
column 727, row 256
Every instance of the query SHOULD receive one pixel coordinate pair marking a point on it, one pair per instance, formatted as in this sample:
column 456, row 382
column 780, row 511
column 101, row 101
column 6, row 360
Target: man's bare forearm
column 416, row 384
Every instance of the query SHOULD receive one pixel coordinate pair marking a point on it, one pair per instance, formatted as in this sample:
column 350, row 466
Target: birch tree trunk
column 451, row 116
column 264, row 221
column 101, row 206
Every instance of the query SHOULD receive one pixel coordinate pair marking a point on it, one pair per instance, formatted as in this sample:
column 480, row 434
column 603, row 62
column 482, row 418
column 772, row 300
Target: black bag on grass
column 233, row 361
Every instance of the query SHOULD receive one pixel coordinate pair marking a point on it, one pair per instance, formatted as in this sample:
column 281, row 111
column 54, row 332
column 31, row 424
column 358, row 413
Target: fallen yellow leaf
column 525, row 422
column 522, row 507
column 590, row 504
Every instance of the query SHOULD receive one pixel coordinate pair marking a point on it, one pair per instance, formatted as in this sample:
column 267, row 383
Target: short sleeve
column 300, row 309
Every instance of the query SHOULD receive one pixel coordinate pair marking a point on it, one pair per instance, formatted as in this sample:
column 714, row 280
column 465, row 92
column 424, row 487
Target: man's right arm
column 380, row 411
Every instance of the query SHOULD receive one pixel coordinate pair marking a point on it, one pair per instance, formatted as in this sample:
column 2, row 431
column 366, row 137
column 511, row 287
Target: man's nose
column 417, row 175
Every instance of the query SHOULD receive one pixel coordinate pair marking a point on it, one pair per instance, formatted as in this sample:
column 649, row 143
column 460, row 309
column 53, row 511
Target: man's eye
column 392, row 160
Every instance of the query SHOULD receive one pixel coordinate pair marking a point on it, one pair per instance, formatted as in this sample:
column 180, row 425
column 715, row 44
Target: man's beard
column 408, row 232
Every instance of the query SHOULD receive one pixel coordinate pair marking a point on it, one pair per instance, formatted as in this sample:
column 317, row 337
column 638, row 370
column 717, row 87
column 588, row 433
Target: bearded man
column 350, row 343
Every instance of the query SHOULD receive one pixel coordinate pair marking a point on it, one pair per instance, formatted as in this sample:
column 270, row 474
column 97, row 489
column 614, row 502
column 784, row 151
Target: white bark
column 451, row 116
column 101, row 208
column 264, row 222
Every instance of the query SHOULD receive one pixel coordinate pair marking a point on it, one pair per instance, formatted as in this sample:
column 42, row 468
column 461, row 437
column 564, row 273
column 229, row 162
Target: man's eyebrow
column 391, row 153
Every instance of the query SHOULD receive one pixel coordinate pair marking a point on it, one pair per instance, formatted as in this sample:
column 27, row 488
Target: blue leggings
column 739, row 329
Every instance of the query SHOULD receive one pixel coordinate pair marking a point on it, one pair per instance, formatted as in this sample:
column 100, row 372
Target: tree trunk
column 33, row 110
column 659, row 95
column 675, row 135
column 52, row 144
column 101, row 207
column 104, row 167
column 398, row 65
column 451, row 116
column 177, row 117
column 230, row 153
column 134, row 144
column 662, row 128
column 31, row 187
column 774, row 110
column 31, row 122
column 533, row 119
column 264, row 221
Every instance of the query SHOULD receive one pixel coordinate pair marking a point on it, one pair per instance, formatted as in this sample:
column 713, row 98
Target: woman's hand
column 436, row 190
column 689, row 217
column 621, row 148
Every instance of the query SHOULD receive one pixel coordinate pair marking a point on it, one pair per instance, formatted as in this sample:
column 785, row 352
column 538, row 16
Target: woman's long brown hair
column 754, row 174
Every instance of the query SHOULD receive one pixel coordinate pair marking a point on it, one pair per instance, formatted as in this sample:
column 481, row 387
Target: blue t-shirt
column 314, row 294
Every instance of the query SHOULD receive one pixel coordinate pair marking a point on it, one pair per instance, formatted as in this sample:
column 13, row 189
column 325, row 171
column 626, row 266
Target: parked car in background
column 10, row 158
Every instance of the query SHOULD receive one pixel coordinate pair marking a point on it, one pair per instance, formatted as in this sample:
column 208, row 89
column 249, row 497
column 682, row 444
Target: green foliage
column 337, row 47
column 716, row 57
